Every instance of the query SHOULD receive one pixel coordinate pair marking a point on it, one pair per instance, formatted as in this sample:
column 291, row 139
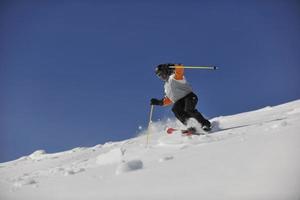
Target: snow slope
column 253, row 155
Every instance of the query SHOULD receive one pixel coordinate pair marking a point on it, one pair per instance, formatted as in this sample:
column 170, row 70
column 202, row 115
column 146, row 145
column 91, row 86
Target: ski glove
column 156, row 102
column 166, row 67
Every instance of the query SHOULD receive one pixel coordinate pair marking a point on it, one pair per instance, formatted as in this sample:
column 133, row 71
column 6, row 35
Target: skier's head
column 163, row 71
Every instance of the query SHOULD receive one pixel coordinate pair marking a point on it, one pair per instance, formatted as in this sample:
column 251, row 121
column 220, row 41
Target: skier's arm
column 167, row 101
column 179, row 72
column 161, row 102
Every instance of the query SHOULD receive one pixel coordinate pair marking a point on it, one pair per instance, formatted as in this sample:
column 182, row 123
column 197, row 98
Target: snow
column 252, row 155
column 128, row 166
column 111, row 157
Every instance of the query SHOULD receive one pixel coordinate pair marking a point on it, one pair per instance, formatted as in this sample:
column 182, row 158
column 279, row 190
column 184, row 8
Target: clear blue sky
column 80, row 73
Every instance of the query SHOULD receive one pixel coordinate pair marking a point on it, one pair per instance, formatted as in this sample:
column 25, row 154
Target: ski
column 187, row 132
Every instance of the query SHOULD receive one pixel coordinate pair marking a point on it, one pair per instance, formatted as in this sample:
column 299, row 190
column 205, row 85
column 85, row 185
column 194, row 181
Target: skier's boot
column 206, row 126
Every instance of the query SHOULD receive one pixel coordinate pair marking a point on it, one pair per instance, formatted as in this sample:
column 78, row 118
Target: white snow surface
column 252, row 155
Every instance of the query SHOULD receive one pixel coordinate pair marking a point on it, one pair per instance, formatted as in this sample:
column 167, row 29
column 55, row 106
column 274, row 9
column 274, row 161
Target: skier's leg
column 179, row 111
column 190, row 107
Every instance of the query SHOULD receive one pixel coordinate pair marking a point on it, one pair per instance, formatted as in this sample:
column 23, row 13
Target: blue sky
column 80, row 73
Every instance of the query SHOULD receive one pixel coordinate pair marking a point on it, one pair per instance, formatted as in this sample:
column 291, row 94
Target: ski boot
column 206, row 128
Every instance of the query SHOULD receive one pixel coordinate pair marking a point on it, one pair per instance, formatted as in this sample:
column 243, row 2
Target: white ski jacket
column 176, row 87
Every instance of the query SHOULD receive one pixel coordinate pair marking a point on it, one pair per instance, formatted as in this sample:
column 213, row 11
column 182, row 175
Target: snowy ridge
column 252, row 155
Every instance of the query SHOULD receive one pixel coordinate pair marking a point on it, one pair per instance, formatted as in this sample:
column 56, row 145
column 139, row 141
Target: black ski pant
column 185, row 108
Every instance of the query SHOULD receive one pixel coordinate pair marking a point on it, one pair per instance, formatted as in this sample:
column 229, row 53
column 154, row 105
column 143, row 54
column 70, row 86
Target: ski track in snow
column 33, row 176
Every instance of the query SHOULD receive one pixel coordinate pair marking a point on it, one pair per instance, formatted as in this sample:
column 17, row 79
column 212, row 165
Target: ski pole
column 211, row 67
column 150, row 121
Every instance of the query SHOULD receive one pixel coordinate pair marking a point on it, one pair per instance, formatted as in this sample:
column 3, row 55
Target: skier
column 179, row 93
